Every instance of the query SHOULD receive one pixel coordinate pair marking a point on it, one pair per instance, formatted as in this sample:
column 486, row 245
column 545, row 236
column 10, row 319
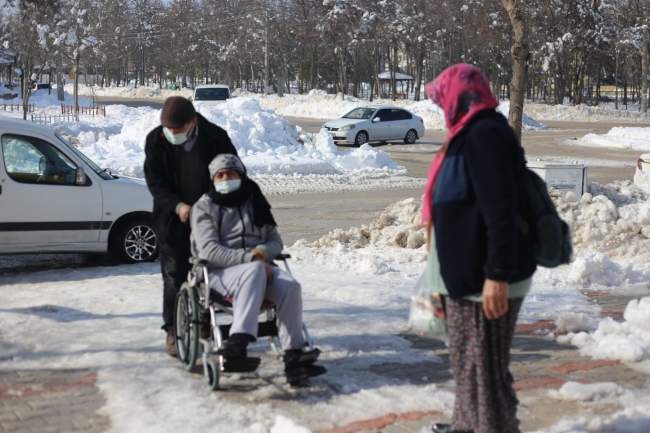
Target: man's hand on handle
column 183, row 211
column 495, row 298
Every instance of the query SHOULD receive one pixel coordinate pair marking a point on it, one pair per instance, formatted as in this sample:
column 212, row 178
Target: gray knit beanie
column 226, row 160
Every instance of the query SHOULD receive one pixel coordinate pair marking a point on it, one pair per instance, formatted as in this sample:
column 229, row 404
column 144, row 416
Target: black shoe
column 300, row 356
column 446, row 428
column 299, row 366
column 235, row 347
column 298, row 375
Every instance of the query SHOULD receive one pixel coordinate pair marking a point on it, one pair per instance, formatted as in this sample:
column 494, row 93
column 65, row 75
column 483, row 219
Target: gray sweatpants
column 247, row 285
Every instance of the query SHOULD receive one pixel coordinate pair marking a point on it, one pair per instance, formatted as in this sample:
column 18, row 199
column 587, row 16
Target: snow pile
column 626, row 341
column 270, row 146
column 619, row 138
column 44, row 100
column 614, row 219
column 583, row 113
column 397, row 226
column 394, row 241
column 131, row 92
column 528, row 122
column 574, row 391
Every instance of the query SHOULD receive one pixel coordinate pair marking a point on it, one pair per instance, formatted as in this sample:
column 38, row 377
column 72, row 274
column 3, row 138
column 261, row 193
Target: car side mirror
column 80, row 178
column 376, row 119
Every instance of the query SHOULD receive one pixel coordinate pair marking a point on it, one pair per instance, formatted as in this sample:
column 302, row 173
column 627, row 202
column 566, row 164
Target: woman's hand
column 495, row 298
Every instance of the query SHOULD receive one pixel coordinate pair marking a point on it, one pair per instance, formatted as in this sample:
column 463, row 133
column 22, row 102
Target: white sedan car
column 55, row 199
column 366, row 124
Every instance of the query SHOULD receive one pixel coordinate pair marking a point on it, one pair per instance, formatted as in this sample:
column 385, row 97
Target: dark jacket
column 477, row 204
column 159, row 169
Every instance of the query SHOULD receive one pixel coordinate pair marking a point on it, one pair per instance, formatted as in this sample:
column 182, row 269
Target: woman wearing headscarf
column 473, row 208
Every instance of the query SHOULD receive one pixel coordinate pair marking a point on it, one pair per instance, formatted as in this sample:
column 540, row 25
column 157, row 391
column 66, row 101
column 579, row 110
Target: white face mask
column 176, row 139
column 227, row 186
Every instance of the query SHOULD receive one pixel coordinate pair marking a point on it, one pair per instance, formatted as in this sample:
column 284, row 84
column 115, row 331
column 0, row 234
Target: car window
column 32, row 160
column 384, row 115
column 211, row 94
column 103, row 173
column 360, row 113
column 403, row 115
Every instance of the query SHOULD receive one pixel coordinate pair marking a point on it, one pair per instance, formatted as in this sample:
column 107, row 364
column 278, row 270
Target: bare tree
column 520, row 53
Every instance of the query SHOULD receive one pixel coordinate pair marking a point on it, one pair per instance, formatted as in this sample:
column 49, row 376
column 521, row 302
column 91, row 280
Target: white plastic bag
column 427, row 314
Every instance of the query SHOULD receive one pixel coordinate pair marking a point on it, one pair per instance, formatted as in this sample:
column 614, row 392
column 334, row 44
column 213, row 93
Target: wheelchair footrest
column 243, row 365
column 264, row 329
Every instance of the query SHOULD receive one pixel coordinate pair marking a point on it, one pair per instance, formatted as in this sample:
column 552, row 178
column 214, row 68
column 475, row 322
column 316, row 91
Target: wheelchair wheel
column 213, row 375
column 187, row 327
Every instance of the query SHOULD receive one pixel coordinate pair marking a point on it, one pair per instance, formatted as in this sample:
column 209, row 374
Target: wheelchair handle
column 283, row 256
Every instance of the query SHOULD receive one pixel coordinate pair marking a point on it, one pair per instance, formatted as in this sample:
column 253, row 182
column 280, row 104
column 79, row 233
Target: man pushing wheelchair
column 233, row 231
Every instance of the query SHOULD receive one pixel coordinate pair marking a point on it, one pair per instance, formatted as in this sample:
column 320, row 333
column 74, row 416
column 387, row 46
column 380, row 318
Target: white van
column 209, row 94
column 55, row 199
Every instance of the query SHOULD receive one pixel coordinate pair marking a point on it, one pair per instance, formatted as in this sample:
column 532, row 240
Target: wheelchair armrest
column 283, row 256
column 197, row 261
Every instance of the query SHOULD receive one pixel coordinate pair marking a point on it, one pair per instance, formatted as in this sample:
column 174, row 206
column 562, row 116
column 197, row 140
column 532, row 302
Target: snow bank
column 613, row 218
column 612, row 251
column 618, row 138
column 269, row 145
column 575, row 391
column 322, row 106
column 140, row 92
column 583, row 113
column 626, row 341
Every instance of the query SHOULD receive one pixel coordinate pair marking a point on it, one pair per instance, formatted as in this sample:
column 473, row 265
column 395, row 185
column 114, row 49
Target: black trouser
column 174, row 265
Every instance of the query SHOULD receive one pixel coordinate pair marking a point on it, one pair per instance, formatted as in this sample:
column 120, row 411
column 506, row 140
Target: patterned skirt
column 479, row 354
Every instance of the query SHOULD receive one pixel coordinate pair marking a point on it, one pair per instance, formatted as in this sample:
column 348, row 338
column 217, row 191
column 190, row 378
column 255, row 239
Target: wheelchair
column 203, row 325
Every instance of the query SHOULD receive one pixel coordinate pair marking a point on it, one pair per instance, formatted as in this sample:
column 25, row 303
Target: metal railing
column 47, row 119
column 91, row 110
column 17, row 107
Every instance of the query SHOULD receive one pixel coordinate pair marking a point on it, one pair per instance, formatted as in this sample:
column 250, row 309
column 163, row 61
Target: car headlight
column 347, row 128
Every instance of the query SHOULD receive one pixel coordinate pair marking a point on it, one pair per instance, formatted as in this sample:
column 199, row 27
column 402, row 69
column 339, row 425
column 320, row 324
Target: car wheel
column 135, row 242
column 411, row 136
column 361, row 138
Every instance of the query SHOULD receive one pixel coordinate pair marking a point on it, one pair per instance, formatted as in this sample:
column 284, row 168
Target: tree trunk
column 645, row 53
column 60, row 94
column 76, row 85
column 418, row 73
column 520, row 52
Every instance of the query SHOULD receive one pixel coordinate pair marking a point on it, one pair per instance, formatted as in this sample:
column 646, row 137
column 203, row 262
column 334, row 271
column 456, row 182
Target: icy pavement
column 99, row 329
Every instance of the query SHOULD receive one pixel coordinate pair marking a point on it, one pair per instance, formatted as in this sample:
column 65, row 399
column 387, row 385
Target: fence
column 17, row 107
column 46, row 119
column 93, row 110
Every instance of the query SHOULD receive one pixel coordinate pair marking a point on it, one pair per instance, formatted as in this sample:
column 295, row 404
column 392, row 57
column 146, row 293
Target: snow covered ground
column 280, row 156
column 140, row 92
column 357, row 285
column 618, row 138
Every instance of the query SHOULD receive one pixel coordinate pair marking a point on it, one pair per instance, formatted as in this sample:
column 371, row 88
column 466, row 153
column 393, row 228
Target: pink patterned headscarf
column 461, row 91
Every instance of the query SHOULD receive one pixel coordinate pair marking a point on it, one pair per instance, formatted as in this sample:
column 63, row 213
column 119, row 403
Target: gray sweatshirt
column 227, row 236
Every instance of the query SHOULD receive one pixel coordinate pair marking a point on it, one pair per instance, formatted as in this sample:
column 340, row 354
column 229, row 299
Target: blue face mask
column 227, row 186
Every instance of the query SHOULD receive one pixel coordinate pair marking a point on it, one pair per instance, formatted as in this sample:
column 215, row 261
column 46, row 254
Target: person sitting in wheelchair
column 233, row 229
